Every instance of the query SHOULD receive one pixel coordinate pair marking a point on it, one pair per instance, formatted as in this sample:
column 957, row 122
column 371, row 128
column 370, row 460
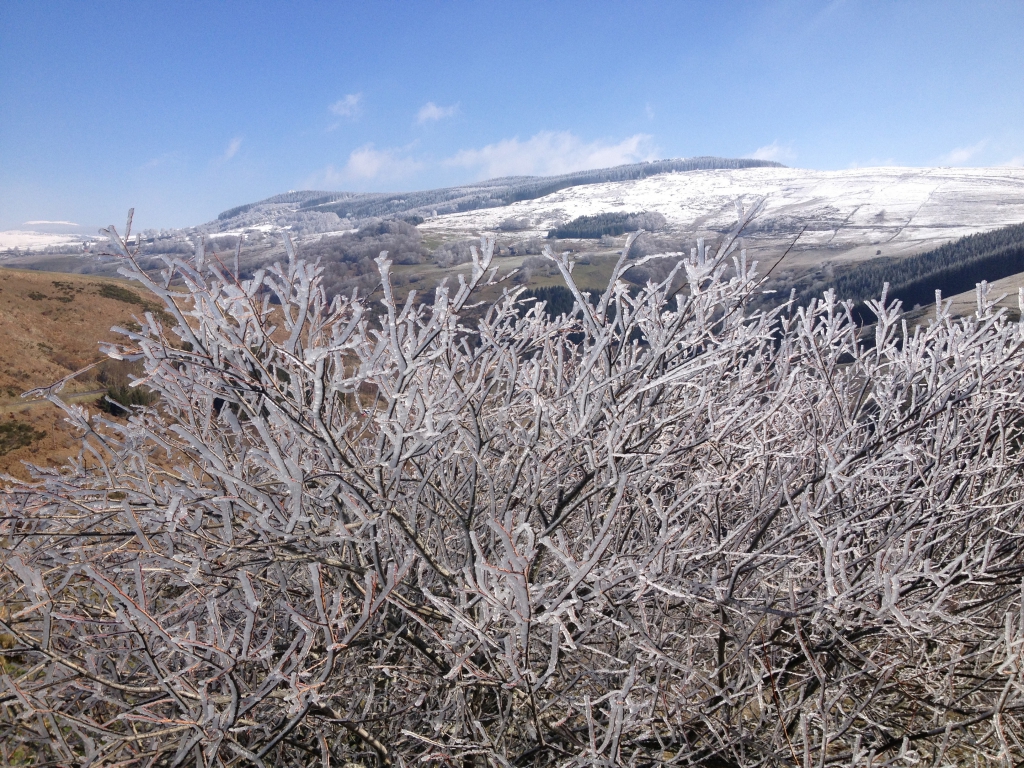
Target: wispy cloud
column 166, row 157
column 369, row 164
column 544, row 154
column 431, row 112
column 233, row 146
column 962, row 155
column 649, row 110
column 37, row 222
column 775, row 152
column 351, row 106
column 551, row 152
column 1015, row 162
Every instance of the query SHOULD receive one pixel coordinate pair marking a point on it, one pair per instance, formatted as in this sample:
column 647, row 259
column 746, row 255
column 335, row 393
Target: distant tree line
column 238, row 210
column 303, row 198
column 455, row 253
column 594, row 227
column 450, row 200
column 951, row 268
column 513, row 224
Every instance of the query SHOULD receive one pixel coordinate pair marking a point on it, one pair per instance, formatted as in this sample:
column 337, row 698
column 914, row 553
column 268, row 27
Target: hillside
column 311, row 212
column 496, row 193
column 824, row 221
column 953, row 268
column 850, row 214
column 1005, row 290
column 50, row 325
column 827, row 220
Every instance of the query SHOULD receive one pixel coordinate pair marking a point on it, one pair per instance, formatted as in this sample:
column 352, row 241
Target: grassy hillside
column 50, row 325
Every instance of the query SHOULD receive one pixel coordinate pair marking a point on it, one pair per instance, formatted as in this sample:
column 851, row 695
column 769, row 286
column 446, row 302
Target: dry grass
column 965, row 303
column 50, row 325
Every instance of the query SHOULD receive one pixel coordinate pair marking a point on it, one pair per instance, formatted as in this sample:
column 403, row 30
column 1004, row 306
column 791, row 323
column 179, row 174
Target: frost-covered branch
column 666, row 530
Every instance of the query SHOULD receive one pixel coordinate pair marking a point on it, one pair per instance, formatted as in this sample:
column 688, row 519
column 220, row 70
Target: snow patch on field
column 28, row 240
column 236, row 232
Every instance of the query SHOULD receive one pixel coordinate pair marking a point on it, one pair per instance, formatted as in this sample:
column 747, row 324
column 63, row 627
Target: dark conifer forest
column 611, row 224
column 952, row 268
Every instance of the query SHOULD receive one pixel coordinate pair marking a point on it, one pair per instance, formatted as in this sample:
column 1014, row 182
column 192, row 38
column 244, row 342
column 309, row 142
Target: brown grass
column 50, row 325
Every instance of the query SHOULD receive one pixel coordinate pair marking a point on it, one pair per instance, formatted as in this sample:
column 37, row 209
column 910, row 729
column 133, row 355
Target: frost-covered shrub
column 512, row 224
column 660, row 529
column 539, row 265
column 452, row 254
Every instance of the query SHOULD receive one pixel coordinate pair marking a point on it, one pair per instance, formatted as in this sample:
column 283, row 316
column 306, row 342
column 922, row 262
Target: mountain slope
column 484, row 194
column 952, row 268
column 842, row 216
column 51, row 325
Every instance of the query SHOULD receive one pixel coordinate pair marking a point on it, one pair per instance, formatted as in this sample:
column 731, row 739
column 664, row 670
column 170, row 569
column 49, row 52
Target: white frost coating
column 662, row 530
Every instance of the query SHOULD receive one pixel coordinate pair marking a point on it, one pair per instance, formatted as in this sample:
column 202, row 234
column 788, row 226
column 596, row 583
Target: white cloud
column 961, row 155
column 649, row 110
column 368, row 164
column 775, row 152
column 549, row 153
column 1015, row 162
column 232, row 149
column 431, row 113
column 36, row 222
column 351, row 106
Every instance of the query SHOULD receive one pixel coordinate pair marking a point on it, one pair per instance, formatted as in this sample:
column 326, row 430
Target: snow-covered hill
column 31, row 240
column 851, row 213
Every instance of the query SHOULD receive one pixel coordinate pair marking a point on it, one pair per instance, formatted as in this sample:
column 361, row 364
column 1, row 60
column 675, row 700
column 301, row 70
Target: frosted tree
column 660, row 529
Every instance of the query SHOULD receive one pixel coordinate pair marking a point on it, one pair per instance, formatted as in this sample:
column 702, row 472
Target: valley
column 823, row 217
column 59, row 295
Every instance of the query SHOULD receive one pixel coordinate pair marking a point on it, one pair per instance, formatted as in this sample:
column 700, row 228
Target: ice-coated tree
column 661, row 529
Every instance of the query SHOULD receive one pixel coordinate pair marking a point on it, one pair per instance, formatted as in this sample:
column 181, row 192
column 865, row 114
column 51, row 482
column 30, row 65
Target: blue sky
column 185, row 109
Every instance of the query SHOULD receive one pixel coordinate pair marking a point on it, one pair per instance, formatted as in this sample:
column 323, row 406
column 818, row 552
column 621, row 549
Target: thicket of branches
column 658, row 529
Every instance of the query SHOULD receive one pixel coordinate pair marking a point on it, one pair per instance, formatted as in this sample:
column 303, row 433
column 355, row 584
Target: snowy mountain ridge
column 855, row 212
